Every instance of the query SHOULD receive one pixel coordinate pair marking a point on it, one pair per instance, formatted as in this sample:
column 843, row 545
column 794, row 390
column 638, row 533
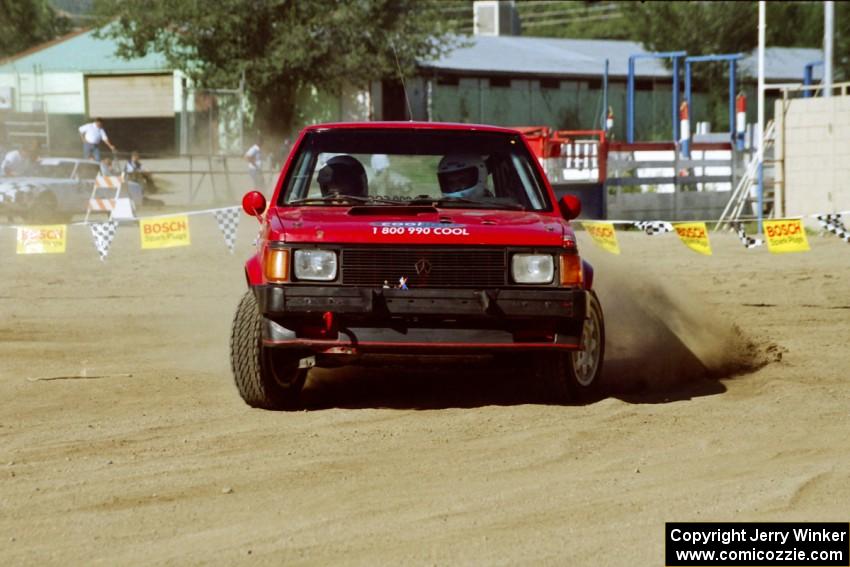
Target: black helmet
column 343, row 175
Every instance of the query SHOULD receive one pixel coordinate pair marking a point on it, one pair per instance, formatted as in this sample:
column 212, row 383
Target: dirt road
column 438, row 466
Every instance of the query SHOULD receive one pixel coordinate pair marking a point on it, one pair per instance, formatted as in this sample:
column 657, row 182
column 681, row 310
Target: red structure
column 345, row 272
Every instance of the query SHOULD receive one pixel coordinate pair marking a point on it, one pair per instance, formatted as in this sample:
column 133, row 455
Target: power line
column 562, row 4
column 570, row 21
column 562, row 12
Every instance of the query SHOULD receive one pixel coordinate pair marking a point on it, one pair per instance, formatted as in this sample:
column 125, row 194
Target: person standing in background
column 20, row 162
column 92, row 134
column 254, row 157
column 12, row 163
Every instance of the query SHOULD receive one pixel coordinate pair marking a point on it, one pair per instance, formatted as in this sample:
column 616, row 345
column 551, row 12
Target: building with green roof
column 503, row 80
column 78, row 77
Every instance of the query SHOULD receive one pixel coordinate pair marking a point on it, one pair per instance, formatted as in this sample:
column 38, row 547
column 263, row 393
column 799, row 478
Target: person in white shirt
column 12, row 162
column 254, row 157
column 92, row 134
column 18, row 162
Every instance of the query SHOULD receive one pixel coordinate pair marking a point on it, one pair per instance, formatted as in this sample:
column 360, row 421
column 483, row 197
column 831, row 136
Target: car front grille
column 424, row 267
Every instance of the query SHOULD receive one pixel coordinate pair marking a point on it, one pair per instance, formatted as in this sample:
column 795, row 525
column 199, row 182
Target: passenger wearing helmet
column 463, row 176
column 343, row 175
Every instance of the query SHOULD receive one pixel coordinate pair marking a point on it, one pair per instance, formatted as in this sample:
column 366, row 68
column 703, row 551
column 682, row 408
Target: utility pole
column 828, row 18
column 760, row 149
column 761, row 32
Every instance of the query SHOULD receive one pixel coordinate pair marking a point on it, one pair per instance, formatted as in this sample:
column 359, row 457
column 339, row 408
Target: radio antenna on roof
column 403, row 86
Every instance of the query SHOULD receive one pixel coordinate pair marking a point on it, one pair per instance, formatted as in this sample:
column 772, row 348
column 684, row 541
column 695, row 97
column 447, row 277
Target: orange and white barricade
column 118, row 207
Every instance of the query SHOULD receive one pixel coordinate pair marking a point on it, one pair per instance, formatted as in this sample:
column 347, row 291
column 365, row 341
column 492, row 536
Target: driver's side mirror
column 570, row 206
column 254, row 203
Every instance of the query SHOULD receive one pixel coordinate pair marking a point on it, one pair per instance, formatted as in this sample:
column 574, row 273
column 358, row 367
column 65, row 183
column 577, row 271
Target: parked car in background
column 56, row 189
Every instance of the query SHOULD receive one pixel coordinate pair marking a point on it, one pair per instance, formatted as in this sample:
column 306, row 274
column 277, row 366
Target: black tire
column 265, row 377
column 45, row 209
column 577, row 376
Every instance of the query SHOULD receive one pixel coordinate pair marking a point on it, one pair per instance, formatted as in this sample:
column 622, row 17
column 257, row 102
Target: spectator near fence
column 133, row 171
column 19, row 162
column 92, row 134
column 107, row 168
column 254, row 157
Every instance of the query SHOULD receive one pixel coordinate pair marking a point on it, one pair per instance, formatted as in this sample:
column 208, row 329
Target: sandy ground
column 704, row 421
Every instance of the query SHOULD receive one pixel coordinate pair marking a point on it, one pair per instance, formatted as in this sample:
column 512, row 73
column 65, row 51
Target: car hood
column 419, row 225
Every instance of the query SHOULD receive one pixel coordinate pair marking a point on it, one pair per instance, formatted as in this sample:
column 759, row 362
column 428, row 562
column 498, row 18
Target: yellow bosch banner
column 603, row 235
column 164, row 232
column 785, row 235
column 694, row 236
column 44, row 239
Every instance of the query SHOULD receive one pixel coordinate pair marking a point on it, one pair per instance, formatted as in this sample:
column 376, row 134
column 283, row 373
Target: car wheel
column 45, row 209
column 265, row 377
column 577, row 375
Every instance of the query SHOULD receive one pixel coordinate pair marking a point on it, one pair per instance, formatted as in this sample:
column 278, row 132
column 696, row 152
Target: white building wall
column 815, row 145
column 60, row 93
column 178, row 92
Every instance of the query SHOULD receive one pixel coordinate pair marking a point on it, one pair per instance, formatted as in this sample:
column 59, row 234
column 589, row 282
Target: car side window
column 87, row 171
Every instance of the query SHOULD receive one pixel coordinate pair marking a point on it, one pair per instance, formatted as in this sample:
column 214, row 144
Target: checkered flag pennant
column 228, row 222
column 102, row 233
column 654, row 227
column 747, row 241
column 833, row 224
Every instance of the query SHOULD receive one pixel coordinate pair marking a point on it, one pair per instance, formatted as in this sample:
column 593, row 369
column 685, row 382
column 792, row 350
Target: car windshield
column 58, row 170
column 468, row 169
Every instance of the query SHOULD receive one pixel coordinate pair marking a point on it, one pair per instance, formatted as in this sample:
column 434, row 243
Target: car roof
column 411, row 125
column 58, row 160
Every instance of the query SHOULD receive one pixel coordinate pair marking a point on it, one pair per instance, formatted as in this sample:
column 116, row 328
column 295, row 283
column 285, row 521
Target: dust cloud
column 661, row 335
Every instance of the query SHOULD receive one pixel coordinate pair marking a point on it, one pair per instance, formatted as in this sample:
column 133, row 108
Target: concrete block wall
column 814, row 144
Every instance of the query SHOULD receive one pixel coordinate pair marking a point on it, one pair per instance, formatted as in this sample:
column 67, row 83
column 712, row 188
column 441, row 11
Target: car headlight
column 316, row 265
column 532, row 268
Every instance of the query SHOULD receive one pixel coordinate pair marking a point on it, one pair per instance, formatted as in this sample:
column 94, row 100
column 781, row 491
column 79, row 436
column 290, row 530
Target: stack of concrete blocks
column 813, row 153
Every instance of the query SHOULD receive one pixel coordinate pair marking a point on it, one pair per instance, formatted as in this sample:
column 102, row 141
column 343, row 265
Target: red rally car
column 409, row 238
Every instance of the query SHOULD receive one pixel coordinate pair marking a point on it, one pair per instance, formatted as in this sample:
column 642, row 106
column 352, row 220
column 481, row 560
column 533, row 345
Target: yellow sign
column 164, row 232
column 785, row 235
column 603, row 235
column 694, row 236
column 45, row 239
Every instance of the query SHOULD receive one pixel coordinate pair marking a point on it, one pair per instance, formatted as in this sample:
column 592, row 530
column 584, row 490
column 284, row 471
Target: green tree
column 28, row 23
column 280, row 46
column 698, row 27
column 573, row 19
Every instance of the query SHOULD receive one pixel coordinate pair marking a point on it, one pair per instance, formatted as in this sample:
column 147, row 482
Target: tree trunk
column 274, row 114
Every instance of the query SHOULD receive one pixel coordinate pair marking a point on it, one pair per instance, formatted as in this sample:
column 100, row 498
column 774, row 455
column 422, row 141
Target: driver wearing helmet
column 463, row 176
column 343, row 175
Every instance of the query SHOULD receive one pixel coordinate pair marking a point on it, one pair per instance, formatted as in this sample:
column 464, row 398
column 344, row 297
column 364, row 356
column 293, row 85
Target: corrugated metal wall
column 558, row 104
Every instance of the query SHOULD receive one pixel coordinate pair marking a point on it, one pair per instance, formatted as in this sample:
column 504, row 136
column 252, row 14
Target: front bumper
column 346, row 320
